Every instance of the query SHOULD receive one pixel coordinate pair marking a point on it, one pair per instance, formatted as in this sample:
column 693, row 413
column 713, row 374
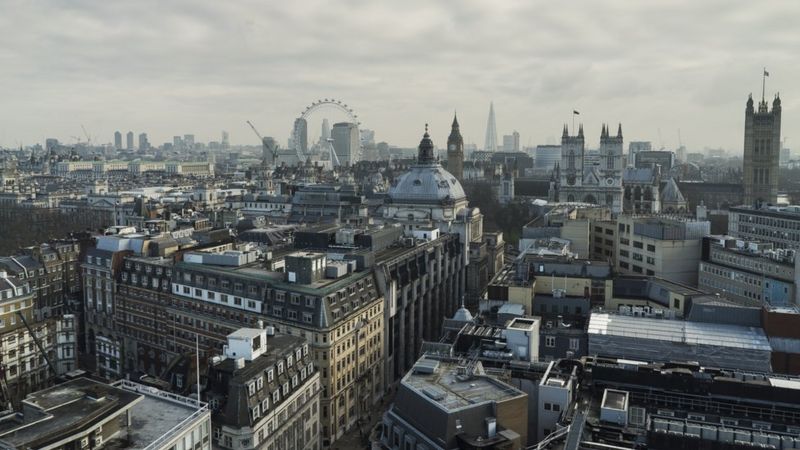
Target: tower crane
column 86, row 133
column 273, row 151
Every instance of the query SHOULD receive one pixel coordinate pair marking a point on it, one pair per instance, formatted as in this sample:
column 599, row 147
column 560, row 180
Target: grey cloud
column 201, row 66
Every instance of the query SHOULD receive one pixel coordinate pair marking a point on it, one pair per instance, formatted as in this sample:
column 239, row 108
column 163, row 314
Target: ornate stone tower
column 610, row 169
column 571, row 173
column 455, row 151
column 762, row 140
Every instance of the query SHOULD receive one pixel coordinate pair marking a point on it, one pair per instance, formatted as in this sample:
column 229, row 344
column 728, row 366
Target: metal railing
column 172, row 433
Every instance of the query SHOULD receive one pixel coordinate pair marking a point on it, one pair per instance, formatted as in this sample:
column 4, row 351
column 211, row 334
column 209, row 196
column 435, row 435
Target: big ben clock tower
column 455, row 152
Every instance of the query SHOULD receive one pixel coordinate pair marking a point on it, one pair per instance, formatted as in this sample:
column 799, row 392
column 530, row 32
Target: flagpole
column 763, row 84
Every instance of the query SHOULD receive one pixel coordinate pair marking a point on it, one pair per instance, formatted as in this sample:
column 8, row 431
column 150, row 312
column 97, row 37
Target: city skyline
column 204, row 67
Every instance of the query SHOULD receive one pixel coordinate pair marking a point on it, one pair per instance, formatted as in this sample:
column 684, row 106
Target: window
column 270, row 375
column 651, row 248
column 574, row 344
column 550, row 341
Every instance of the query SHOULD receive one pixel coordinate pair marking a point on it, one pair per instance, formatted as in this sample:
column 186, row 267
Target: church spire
column 619, row 131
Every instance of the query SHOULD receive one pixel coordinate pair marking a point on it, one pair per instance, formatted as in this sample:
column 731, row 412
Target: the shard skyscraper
column 491, row 131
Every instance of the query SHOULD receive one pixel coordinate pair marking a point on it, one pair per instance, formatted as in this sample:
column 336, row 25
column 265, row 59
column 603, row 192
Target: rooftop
column 689, row 333
column 55, row 413
column 446, row 384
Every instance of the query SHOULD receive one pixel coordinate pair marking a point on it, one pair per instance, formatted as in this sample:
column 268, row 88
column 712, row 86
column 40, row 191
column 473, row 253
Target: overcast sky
column 198, row 66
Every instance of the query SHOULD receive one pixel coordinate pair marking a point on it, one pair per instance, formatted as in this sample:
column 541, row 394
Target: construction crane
column 273, row 151
column 86, row 133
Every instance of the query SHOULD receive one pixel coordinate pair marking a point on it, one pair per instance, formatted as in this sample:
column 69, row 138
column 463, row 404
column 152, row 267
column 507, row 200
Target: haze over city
column 204, row 66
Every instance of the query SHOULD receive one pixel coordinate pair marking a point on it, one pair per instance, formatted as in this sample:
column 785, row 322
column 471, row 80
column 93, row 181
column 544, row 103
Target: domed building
column 428, row 197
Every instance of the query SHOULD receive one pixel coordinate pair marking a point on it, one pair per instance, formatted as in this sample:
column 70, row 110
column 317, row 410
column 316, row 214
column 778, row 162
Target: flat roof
column 246, row 333
column 61, row 410
column 679, row 331
column 450, row 391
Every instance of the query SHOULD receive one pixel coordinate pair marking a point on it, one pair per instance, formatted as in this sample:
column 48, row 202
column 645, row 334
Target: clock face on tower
column 451, row 147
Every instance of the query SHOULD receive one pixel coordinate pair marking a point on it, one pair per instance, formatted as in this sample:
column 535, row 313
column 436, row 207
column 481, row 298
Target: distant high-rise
column 491, row 131
column 511, row 142
column 301, row 135
column 367, row 137
column 188, row 141
column 326, row 130
column 144, row 144
column 51, row 144
column 455, row 151
column 226, row 140
column 118, row 140
column 346, row 142
column 129, row 140
column 762, row 144
column 634, row 147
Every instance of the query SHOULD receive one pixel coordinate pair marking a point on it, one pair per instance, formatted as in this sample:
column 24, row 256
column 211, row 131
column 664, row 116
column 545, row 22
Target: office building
column 662, row 246
column 634, row 147
column 441, row 404
column 87, row 414
column 762, row 144
column 664, row 340
column 779, row 225
column 225, row 143
column 546, row 157
column 300, row 135
column 750, row 273
column 264, row 392
column 117, row 140
column 129, row 140
column 663, row 158
column 511, row 142
column 346, row 142
column 25, row 336
column 188, row 141
column 629, row 404
column 337, row 310
column 144, row 144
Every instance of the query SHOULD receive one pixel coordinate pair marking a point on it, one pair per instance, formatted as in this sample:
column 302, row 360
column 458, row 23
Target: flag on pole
column 575, row 112
column 766, row 74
